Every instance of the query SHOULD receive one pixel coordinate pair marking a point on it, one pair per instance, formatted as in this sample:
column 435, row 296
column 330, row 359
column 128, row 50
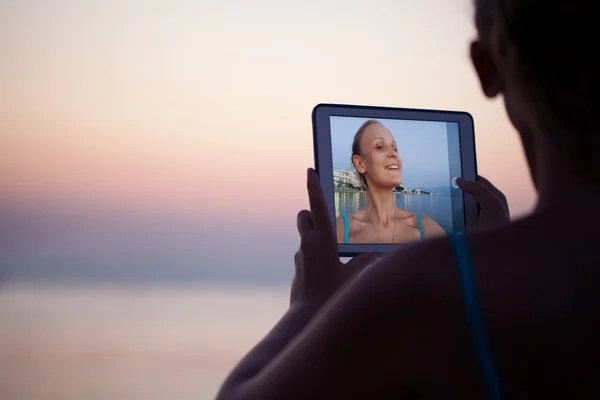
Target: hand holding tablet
column 388, row 174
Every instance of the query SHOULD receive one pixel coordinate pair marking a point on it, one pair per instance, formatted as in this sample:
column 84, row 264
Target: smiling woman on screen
column 378, row 165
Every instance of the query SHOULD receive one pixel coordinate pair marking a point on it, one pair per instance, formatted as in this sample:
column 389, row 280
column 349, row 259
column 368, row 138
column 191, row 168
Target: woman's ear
column 358, row 164
column 487, row 70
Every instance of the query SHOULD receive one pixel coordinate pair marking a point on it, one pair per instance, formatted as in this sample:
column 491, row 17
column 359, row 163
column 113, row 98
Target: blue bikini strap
column 420, row 226
column 476, row 322
column 346, row 230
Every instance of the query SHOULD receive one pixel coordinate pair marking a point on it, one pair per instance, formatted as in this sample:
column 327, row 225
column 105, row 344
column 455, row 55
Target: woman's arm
column 319, row 274
column 305, row 356
column 237, row 385
column 379, row 336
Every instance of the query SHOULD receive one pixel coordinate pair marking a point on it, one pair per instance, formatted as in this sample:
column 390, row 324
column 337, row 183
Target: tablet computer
column 389, row 174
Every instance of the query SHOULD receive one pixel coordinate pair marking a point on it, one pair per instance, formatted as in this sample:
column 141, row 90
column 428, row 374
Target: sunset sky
column 189, row 123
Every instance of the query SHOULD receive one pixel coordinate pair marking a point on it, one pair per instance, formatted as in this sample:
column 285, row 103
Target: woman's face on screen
column 379, row 160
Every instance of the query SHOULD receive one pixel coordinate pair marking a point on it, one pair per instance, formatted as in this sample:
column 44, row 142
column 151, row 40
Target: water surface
column 119, row 342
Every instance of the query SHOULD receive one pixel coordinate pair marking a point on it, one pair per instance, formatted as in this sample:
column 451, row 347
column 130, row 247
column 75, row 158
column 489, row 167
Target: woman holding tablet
column 507, row 312
column 377, row 163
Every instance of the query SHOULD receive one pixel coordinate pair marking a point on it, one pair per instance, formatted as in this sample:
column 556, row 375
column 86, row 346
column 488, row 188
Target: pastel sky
column 189, row 122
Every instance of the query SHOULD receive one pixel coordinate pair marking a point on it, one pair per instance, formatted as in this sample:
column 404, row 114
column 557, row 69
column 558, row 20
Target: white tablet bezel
column 324, row 164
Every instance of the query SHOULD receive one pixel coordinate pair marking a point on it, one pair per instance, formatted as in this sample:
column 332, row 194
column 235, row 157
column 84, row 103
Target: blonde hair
column 356, row 149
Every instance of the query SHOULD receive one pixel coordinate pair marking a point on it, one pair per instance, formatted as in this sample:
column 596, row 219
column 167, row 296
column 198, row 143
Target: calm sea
column 439, row 208
column 103, row 342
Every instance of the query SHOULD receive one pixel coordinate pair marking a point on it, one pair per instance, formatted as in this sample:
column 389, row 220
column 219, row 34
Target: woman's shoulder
column 357, row 216
column 429, row 225
column 500, row 259
column 424, row 279
column 412, row 219
column 419, row 221
column 349, row 222
column 507, row 266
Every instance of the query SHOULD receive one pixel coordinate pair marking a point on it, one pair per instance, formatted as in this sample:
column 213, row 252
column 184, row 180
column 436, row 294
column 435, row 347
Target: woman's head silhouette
column 539, row 55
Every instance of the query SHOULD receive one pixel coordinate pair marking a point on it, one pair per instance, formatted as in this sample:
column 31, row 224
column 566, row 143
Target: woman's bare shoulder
column 431, row 227
column 506, row 260
column 418, row 264
column 354, row 221
column 405, row 313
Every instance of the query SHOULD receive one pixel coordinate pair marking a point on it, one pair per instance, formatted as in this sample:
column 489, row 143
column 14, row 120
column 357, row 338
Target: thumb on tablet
column 494, row 209
column 482, row 193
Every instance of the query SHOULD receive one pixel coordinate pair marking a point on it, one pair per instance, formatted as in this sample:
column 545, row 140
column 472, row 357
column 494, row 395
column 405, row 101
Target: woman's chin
column 392, row 185
column 388, row 184
column 395, row 184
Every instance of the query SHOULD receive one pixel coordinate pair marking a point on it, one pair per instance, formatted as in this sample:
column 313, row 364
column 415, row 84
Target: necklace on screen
column 375, row 230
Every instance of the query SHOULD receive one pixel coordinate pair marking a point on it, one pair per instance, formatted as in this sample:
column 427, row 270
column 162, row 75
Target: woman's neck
column 562, row 190
column 561, row 183
column 381, row 206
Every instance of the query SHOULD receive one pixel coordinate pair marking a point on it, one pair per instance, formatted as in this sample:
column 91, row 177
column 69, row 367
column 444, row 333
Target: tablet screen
column 380, row 163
